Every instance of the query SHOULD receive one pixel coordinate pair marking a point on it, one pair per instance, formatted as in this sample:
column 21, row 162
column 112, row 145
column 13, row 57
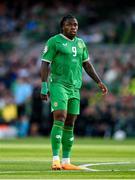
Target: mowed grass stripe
column 79, row 140
column 60, row 178
column 82, row 146
column 69, row 175
column 88, row 151
column 79, row 161
column 30, row 159
column 13, row 166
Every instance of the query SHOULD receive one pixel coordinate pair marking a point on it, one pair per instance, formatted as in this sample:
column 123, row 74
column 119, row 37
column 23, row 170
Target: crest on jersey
column 80, row 44
column 45, row 49
column 55, row 104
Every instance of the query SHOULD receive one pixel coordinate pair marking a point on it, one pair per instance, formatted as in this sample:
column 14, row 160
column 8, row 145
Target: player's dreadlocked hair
column 65, row 18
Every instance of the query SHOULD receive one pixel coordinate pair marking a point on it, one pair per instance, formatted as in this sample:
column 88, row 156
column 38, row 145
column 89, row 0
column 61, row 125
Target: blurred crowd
column 26, row 22
column 24, row 28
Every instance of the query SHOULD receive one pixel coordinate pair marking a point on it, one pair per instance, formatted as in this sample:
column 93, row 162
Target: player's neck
column 68, row 37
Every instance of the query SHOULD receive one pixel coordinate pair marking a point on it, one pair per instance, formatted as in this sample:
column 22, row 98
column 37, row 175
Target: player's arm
column 44, row 77
column 90, row 70
column 47, row 58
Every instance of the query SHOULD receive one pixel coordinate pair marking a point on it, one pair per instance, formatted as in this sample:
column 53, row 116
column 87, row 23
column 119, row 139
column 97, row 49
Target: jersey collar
column 66, row 37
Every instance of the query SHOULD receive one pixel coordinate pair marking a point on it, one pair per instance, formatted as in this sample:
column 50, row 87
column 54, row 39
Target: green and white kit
column 66, row 57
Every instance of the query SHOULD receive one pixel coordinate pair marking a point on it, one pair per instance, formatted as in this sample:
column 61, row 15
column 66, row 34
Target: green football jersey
column 66, row 57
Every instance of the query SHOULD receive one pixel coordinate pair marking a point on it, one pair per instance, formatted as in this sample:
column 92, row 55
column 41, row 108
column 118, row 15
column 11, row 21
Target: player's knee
column 70, row 120
column 60, row 116
column 69, row 124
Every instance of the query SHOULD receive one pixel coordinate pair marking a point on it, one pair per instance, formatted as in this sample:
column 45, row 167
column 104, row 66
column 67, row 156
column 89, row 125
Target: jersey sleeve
column 85, row 54
column 49, row 51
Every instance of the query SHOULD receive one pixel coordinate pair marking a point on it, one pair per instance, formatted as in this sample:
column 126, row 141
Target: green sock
column 56, row 136
column 67, row 141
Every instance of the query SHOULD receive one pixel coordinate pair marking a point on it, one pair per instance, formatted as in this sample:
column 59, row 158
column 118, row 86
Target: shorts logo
column 55, row 104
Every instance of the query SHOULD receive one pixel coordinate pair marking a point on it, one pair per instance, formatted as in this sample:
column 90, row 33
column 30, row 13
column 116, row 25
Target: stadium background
column 107, row 27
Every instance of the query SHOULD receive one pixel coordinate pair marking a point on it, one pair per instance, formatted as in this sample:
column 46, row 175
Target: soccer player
column 67, row 55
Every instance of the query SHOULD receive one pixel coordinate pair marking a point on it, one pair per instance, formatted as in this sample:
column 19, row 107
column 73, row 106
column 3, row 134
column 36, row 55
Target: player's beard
column 72, row 34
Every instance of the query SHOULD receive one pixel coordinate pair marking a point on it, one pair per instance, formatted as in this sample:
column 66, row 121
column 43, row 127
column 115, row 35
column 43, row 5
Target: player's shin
column 56, row 137
column 67, row 142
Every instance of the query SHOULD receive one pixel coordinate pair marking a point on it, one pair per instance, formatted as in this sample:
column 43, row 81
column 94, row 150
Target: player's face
column 70, row 28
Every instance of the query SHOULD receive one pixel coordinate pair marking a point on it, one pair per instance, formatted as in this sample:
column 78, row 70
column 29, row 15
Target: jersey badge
column 55, row 104
column 80, row 45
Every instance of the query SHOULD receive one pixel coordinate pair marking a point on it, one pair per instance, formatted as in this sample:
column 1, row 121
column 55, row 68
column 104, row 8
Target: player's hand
column 103, row 88
column 44, row 97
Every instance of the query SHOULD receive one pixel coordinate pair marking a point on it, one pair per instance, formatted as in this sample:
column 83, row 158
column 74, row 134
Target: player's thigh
column 58, row 97
column 73, row 106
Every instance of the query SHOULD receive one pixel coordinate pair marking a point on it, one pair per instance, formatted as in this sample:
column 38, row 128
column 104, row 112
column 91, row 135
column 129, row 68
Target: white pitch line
column 105, row 163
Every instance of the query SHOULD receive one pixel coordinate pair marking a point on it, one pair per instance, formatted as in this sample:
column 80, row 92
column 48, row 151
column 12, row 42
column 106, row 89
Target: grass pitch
column 30, row 158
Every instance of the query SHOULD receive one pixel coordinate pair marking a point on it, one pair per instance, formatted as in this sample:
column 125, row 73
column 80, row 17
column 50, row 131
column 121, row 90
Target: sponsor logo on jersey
column 80, row 45
column 64, row 44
